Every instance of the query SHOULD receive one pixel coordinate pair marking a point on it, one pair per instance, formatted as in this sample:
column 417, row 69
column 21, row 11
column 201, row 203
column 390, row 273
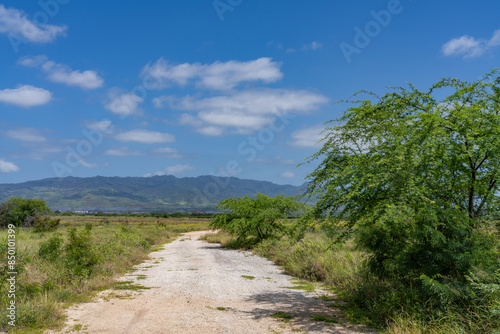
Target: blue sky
column 225, row 87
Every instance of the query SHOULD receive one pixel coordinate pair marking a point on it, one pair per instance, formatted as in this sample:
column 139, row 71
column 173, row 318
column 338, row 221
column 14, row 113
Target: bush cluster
column 255, row 219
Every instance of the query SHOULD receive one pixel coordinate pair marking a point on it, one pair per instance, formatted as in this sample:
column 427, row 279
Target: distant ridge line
column 139, row 194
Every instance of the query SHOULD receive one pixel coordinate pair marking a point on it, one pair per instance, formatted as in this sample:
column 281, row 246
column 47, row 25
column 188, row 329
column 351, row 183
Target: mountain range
column 141, row 194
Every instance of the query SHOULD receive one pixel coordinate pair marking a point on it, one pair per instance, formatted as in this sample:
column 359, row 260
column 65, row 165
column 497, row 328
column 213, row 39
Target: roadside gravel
column 198, row 287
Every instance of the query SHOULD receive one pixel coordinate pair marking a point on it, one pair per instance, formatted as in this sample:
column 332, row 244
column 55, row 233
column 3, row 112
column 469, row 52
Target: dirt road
column 198, row 287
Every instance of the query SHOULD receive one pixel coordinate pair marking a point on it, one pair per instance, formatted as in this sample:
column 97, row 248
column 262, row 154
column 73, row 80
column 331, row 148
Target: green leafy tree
column 257, row 218
column 23, row 212
column 414, row 174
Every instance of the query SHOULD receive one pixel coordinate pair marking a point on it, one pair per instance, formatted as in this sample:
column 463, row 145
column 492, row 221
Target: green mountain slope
column 158, row 193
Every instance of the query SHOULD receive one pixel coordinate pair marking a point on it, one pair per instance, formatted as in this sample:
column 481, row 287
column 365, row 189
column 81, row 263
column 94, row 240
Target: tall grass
column 390, row 305
column 58, row 268
column 315, row 259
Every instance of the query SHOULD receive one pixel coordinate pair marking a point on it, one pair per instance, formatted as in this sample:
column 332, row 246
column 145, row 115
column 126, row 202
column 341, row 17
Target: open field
column 179, row 225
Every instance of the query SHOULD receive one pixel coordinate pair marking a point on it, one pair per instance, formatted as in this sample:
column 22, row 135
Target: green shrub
column 88, row 227
column 51, row 248
column 406, row 244
column 80, row 254
column 125, row 229
column 45, row 224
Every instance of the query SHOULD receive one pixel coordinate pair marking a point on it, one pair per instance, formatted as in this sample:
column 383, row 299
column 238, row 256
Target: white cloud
column 86, row 79
column 210, row 131
column 465, row 45
column 16, row 24
column 287, row 175
column 87, row 164
column 124, row 104
column 470, row 47
column 165, row 150
column 104, row 126
column 243, row 112
column 25, row 134
column 216, row 76
column 160, row 102
column 187, row 119
column 8, row 167
column 169, row 152
column 145, row 136
column 315, row 45
column 34, row 61
column 171, row 170
column 308, row 137
column 40, row 152
column 25, row 96
column 495, row 40
column 284, row 161
column 63, row 74
column 204, row 129
column 177, row 169
column 122, row 151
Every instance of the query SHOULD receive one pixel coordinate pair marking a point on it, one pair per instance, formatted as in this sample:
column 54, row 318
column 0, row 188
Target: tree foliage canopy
column 22, row 211
column 258, row 218
column 413, row 173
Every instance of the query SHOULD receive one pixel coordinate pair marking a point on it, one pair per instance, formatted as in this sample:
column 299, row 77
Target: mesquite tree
column 257, row 218
column 413, row 174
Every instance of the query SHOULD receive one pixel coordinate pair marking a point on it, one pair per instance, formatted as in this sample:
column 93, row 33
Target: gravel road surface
column 198, row 287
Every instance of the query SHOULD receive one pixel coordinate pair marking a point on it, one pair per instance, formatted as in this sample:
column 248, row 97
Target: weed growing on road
column 248, row 277
column 321, row 317
column 302, row 285
column 285, row 317
column 326, row 298
column 129, row 285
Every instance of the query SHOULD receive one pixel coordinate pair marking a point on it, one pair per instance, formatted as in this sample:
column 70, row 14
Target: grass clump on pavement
column 285, row 317
column 248, row 277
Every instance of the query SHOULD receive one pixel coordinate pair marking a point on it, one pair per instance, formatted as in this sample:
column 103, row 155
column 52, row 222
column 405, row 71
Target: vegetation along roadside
column 405, row 227
column 63, row 261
